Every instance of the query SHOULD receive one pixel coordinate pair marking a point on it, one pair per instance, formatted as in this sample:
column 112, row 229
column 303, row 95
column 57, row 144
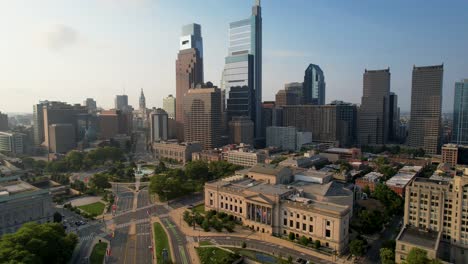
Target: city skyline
column 65, row 51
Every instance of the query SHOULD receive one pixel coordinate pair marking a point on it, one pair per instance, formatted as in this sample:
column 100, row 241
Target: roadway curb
column 156, row 219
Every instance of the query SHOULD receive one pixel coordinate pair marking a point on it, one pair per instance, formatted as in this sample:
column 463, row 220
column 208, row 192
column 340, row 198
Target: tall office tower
column 460, row 113
column 3, row 122
column 38, row 122
column 271, row 116
column 169, row 105
column 158, row 125
column 202, row 116
column 61, row 138
column 241, row 130
column 142, row 102
column 314, row 86
column 286, row 97
column 90, row 105
column 373, row 115
column 61, row 113
column 243, row 67
column 426, row 107
column 241, row 102
column 334, row 124
column 189, row 70
column 393, row 118
column 121, row 102
column 297, row 88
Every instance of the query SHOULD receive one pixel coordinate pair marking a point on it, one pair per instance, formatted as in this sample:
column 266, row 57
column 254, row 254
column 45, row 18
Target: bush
column 291, row 236
column 303, row 241
column 205, row 225
column 317, row 244
column 244, row 245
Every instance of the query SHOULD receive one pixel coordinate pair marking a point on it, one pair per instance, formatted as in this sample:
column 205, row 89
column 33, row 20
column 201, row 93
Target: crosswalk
column 88, row 237
column 139, row 221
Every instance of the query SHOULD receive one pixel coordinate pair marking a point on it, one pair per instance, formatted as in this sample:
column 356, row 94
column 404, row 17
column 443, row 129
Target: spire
column 142, row 100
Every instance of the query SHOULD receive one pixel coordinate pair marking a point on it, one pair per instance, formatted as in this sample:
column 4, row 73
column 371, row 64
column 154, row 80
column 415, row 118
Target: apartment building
column 180, row 152
column 245, row 158
column 438, row 209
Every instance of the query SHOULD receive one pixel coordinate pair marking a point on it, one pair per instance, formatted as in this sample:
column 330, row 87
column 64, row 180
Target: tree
column 74, row 160
column 57, row 217
column 387, row 256
column 38, row 243
column 417, row 256
column 357, row 247
column 100, row 181
column 197, row 170
column 160, row 168
column 317, row 244
column 244, row 245
column 291, row 236
column 303, row 241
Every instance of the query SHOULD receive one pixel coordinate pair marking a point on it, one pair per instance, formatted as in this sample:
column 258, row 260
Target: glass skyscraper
column 243, row 69
column 460, row 113
column 314, row 85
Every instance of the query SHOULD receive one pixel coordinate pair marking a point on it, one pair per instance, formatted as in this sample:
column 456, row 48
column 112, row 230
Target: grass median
column 161, row 242
column 97, row 255
column 94, row 208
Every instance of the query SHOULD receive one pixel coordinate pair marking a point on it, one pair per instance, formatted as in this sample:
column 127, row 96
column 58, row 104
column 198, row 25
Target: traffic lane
column 143, row 198
column 185, row 201
column 125, row 202
column 144, row 244
column 118, row 245
column 265, row 247
column 178, row 241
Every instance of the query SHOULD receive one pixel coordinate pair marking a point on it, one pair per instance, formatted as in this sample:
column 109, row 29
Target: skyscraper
column 202, row 116
column 189, row 69
column 374, row 111
column 241, row 130
column 243, row 66
column 314, row 85
column 121, row 102
column 142, row 101
column 460, row 113
column 169, row 105
column 158, row 125
column 426, row 106
column 90, row 105
column 3, row 122
column 38, row 123
column 286, row 97
column 393, row 118
column 297, row 88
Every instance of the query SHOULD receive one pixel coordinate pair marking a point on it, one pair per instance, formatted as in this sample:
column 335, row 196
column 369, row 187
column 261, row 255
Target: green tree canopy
column 100, row 181
column 38, row 243
column 357, row 247
column 387, row 256
column 417, row 256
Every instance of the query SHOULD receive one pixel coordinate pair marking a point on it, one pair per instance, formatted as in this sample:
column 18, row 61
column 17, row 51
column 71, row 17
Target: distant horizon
column 55, row 53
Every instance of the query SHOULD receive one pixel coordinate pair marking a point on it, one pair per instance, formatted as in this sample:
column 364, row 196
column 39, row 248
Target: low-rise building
column 20, row 202
column 180, row 152
column 313, row 176
column 287, row 138
column 404, row 176
column 208, row 155
column 334, row 154
column 450, row 154
column 371, row 179
column 245, row 158
column 303, row 161
column 270, row 201
column 12, row 142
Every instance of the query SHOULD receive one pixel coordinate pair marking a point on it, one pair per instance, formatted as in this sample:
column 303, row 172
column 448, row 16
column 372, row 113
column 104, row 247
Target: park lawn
column 95, row 208
column 256, row 255
column 97, row 255
column 215, row 255
column 160, row 241
column 205, row 243
column 199, row 208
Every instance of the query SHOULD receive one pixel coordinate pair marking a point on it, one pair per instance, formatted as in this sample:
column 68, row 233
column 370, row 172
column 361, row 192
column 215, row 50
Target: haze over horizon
column 68, row 51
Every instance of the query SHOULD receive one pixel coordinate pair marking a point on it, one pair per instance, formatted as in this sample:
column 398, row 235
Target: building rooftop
column 268, row 169
column 420, row 238
column 14, row 188
column 404, row 176
column 372, row 176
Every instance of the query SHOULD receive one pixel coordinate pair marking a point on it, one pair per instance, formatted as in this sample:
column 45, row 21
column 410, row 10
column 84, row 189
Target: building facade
column 450, row 154
column 202, row 116
column 243, row 67
column 158, row 125
column 241, row 130
column 328, row 123
column 374, row 112
column 314, row 85
column 267, row 200
column 426, row 107
column 3, row 122
column 179, row 152
column 61, row 138
column 189, row 70
column 169, row 105
column 90, row 104
column 12, row 142
column 287, row 97
column 393, row 119
column 460, row 113
column 245, row 158
column 121, row 102
column 439, row 207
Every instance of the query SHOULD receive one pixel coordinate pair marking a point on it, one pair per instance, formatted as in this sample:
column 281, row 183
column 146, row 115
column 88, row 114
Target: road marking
column 182, row 254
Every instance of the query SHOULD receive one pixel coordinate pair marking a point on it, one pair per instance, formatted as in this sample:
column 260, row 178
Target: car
column 190, row 206
column 301, row 261
column 77, row 223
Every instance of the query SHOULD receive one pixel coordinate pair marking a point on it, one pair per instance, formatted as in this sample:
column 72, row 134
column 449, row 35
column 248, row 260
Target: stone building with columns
column 269, row 200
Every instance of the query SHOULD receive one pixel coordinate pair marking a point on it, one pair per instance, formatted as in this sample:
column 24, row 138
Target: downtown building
column 169, row 105
column 334, row 123
column 436, row 219
column 12, row 142
column 3, row 122
column 374, row 113
column 242, row 75
column 202, row 116
column 460, row 113
column 158, row 125
column 241, row 130
column 189, row 70
column 313, row 86
column 271, row 200
column 426, row 106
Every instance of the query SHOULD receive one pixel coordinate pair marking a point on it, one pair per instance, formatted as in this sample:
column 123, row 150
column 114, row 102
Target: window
column 311, row 228
column 297, row 225
column 327, row 233
column 285, row 213
column 297, row 215
column 291, row 223
column 211, row 201
column 403, row 247
column 211, row 194
column 328, row 223
column 240, row 210
column 222, row 205
column 304, row 227
column 285, row 221
column 304, row 217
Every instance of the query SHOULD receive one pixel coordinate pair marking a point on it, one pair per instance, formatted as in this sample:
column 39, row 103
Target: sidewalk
column 177, row 214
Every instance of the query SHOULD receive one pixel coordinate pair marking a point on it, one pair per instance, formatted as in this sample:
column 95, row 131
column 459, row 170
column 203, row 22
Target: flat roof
column 421, row 238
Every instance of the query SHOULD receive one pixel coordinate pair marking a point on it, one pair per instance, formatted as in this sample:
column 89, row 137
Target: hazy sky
column 69, row 50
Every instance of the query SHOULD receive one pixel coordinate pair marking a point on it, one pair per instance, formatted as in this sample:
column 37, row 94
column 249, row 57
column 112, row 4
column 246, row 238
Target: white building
column 287, row 138
column 12, row 142
column 169, row 105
